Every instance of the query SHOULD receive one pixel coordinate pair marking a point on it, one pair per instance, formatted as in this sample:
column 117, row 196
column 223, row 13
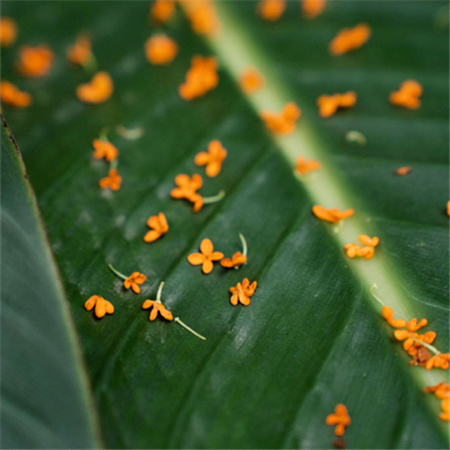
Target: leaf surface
column 45, row 397
column 268, row 374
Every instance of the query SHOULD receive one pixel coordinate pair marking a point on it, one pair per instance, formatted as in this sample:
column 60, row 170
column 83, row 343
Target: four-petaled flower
column 206, row 257
column 187, row 188
column 242, row 292
column 102, row 306
column 409, row 335
column 112, row 181
column 340, row 418
column 159, row 227
column 157, row 307
column 238, row 259
column 212, row 159
column 104, row 149
column 133, row 281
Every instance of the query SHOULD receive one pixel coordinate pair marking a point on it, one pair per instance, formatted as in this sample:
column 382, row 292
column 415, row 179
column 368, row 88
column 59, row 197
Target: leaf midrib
column 274, row 95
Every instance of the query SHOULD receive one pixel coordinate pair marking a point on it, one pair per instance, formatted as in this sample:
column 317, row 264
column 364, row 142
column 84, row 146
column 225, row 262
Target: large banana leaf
column 45, row 398
column 268, row 374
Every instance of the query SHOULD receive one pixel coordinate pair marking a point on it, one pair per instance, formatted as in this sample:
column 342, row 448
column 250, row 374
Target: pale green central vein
column 238, row 51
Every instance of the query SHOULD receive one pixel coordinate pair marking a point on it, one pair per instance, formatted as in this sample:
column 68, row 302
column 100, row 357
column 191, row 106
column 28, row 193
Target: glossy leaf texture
column 269, row 373
column 45, row 397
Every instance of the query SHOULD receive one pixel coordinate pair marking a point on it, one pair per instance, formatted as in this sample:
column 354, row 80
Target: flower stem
column 244, row 244
column 113, row 164
column 120, row 275
column 428, row 346
column 158, row 294
column 91, row 65
column 215, row 198
column 372, row 289
column 103, row 134
column 177, row 320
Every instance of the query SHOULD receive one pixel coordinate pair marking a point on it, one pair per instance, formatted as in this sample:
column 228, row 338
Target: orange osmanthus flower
column 206, row 257
column 134, row 280
column 200, row 78
column 271, row 10
column 34, row 61
column 159, row 227
column 388, row 314
column 102, row 306
column 112, row 181
column 441, row 390
column 8, row 31
column 303, row 166
column 160, row 50
column 409, row 334
column 448, row 208
column 162, row 10
column 187, row 189
column 445, row 414
column 367, row 251
column 349, row 39
column 408, row 95
column 81, row 52
column 332, row 215
column 238, row 259
column 329, row 104
column 212, row 159
column 440, row 360
column 313, row 8
column 283, row 123
column 12, row 96
column 242, row 292
column 98, row 90
column 157, row 307
column 104, row 149
column 251, row 80
column 203, row 17
column 340, row 418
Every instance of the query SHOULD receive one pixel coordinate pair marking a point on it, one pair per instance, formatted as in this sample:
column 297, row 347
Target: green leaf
column 268, row 374
column 45, row 398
